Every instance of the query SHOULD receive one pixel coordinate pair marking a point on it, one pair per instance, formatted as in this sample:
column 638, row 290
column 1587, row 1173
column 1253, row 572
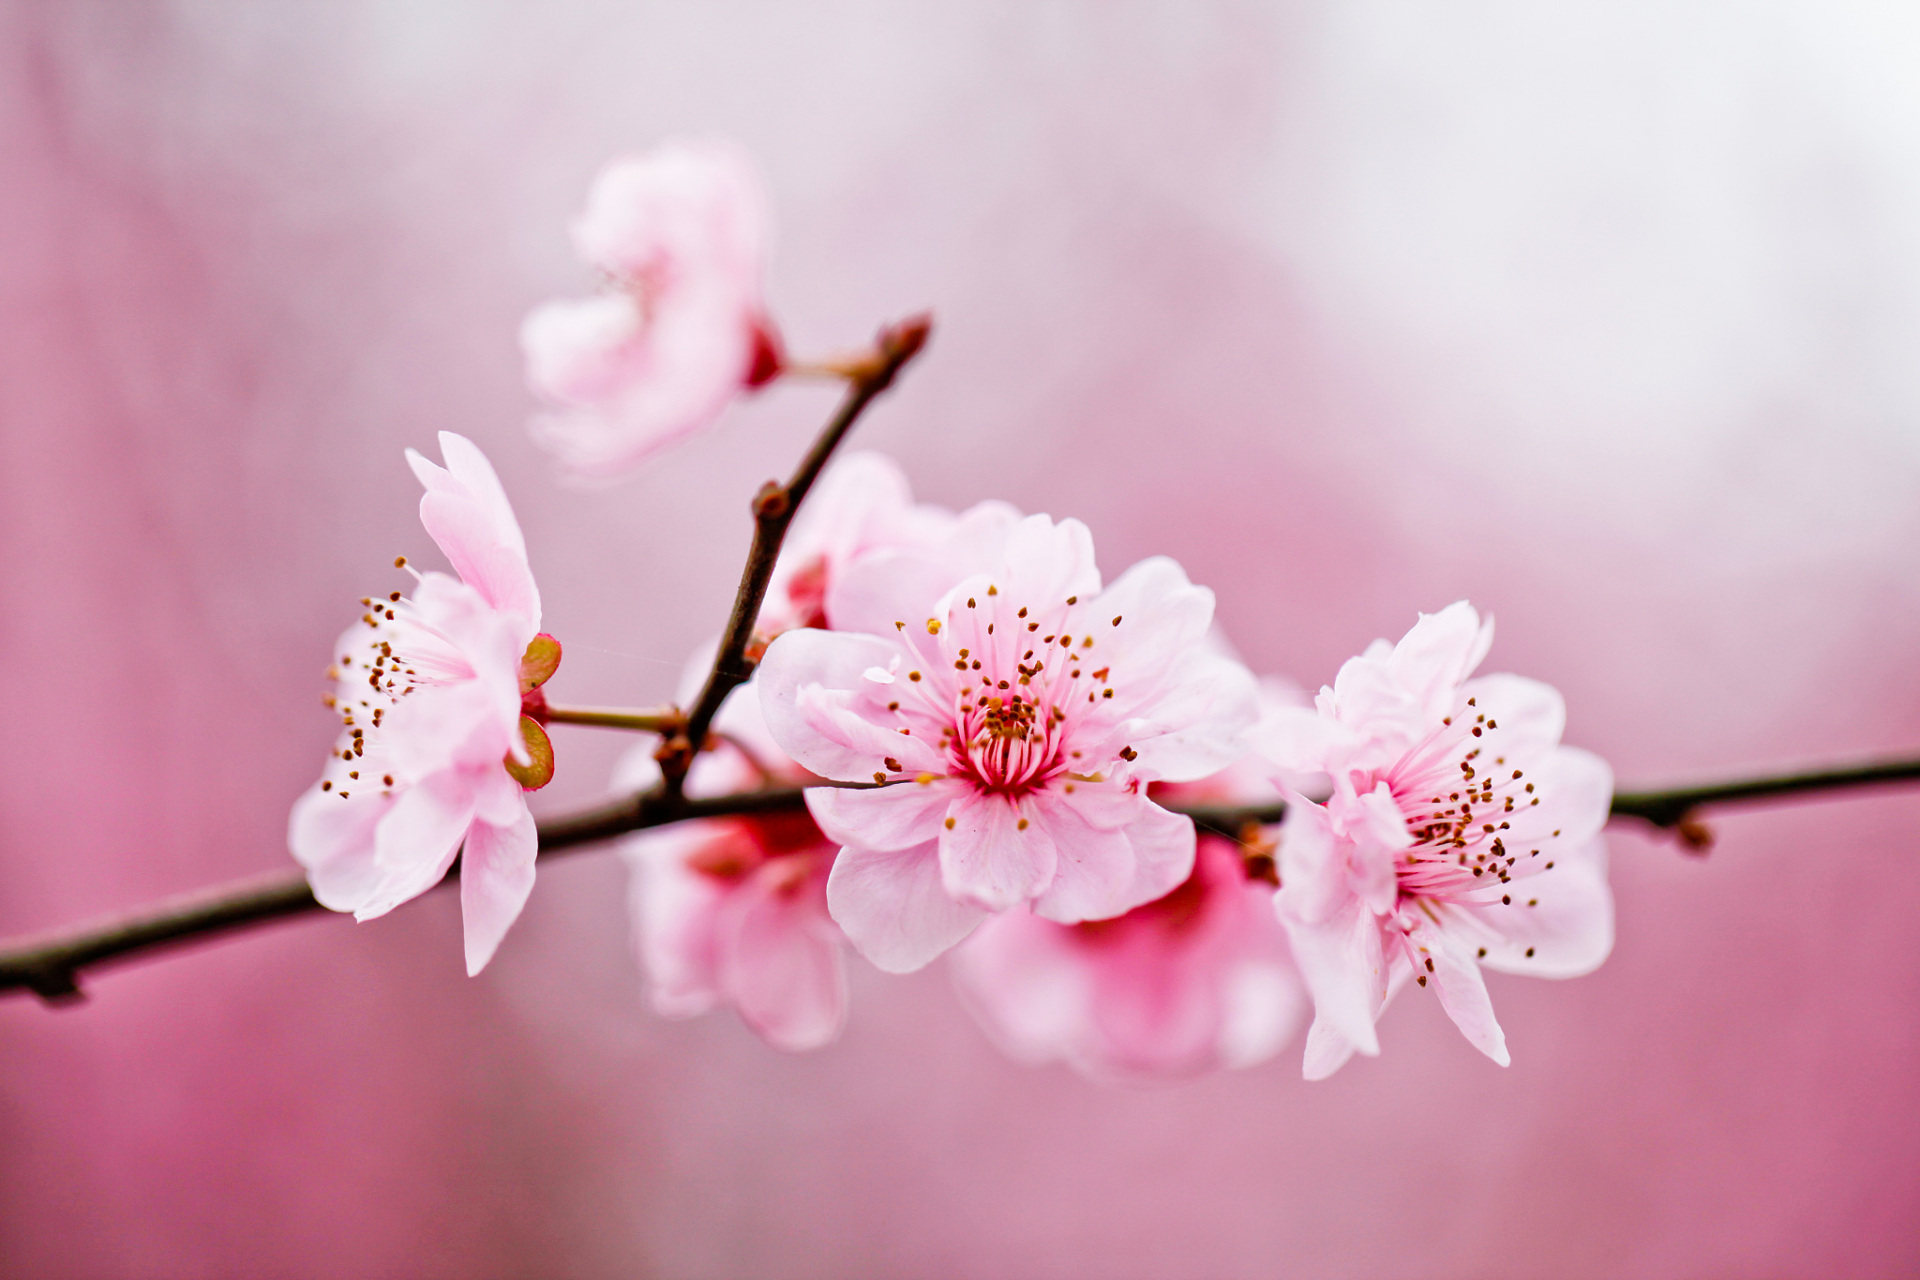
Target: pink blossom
column 734, row 910
column 1199, row 979
column 862, row 506
column 680, row 236
column 1019, row 710
column 1459, row 833
column 434, row 747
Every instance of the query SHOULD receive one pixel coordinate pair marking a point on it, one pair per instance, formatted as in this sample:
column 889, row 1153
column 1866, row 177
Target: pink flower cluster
column 1001, row 747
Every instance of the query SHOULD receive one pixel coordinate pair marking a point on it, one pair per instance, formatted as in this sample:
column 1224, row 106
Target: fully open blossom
column 734, row 910
column 1459, row 833
column 435, row 753
column 1199, row 979
column 1019, row 710
column 680, row 236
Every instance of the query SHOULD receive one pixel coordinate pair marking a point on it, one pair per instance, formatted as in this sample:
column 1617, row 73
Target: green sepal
column 538, row 771
column 539, row 663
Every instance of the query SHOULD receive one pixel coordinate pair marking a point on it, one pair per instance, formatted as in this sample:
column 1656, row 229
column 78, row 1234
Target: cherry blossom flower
column 680, row 235
column 734, row 910
column 1459, row 834
column 1019, row 710
column 435, row 751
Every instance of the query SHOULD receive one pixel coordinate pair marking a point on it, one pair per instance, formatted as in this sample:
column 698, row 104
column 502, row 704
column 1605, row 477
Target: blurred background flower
column 1600, row 315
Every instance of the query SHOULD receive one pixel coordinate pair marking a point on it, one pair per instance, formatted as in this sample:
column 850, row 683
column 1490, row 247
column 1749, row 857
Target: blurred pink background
column 1604, row 315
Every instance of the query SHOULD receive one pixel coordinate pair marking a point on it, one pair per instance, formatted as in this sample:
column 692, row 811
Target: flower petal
column 1439, row 653
column 887, row 818
column 1094, row 869
column 780, row 960
column 1345, row 969
column 333, row 839
column 992, row 852
column 417, row 841
column 1327, row 1051
column 466, row 511
column 1570, row 930
column 496, row 875
column 1462, row 989
column 673, row 907
column 894, row 907
column 824, row 713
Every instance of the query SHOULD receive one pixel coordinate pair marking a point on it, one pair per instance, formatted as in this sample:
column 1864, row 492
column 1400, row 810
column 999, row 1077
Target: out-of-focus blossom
column 1200, row 979
column 1459, row 833
column 861, row 506
column 680, row 236
column 734, row 910
column 435, row 753
column 1019, row 710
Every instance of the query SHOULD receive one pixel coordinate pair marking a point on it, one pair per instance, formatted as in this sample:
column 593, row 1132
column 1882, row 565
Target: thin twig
column 773, row 511
column 668, row 721
column 1672, row 806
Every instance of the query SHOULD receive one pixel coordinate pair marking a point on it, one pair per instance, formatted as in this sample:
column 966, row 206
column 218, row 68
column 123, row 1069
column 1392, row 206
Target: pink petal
column 1345, row 969
column 885, row 818
column 887, row 587
column 417, row 841
column 992, row 852
column 697, row 199
column 894, row 908
column 466, row 511
column 1197, row 724
column 780, row 963
column 827, row 715
column 1575, row 788
column 1439, row 653
column 496, row 875
column 1531, row 716
column 1327, row 1051
column 1093, row 869
column 1568, row 934
column 1162, row 616
column 1298, row 739
column 673, row 909
column 1163, row 853
column 1462, row 989
column 1047, row 562
column 1263, row 1005
column 579, row 350
column 1024, row 986
column 333, row 839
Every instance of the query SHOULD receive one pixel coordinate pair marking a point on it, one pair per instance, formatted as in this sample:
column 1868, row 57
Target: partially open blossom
column 1199, row 979
column 1459, row 833
column 1019, row 711
column 861, row 506
column 734, row 910
column 680, row 236
column 435, row 753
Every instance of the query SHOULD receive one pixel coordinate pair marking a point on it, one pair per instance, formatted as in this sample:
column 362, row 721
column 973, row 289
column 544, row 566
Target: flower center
column 1024, row 694
column 369, row 682
column 1459, row 804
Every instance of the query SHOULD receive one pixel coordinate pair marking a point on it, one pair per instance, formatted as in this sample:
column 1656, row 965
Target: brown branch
column 51, row 966
column 773, row 510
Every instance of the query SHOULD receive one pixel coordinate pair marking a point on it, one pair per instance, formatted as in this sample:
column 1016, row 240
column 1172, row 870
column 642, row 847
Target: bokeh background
column 1604, row 314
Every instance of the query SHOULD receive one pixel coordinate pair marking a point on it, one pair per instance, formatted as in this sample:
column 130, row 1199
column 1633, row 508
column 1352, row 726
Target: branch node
column 56, row 986
column 771, row 503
